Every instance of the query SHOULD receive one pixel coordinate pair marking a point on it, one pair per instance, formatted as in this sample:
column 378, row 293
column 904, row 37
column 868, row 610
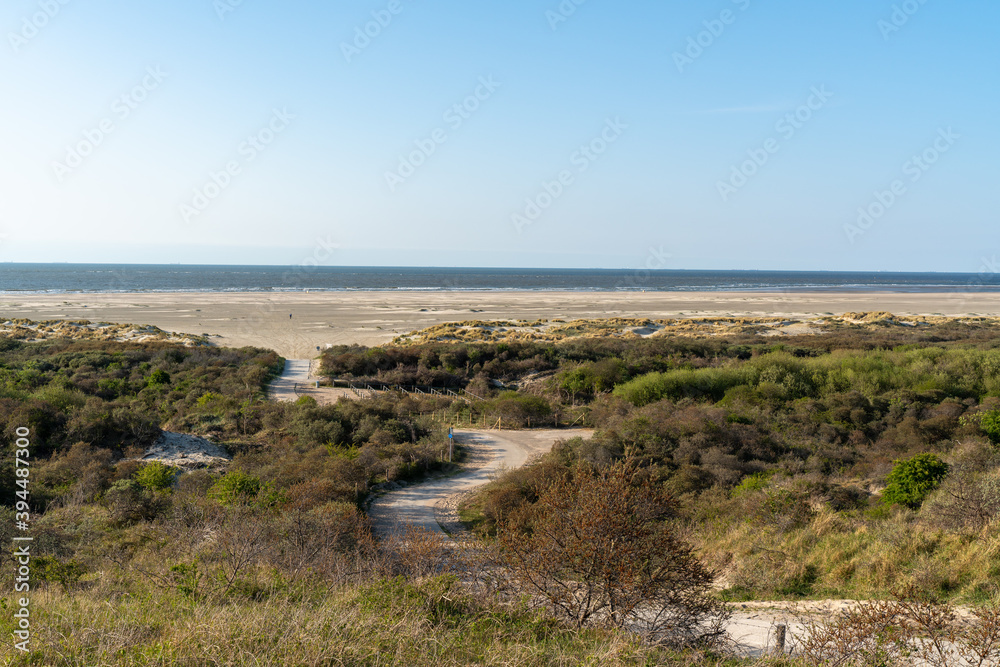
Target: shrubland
column 821, row 466
column 857, row 463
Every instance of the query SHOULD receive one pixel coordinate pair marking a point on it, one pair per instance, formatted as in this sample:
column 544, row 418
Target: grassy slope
column 388, row 622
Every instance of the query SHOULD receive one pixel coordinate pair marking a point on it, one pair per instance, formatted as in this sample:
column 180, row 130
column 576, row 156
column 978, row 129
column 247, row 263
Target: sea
column 97, row 278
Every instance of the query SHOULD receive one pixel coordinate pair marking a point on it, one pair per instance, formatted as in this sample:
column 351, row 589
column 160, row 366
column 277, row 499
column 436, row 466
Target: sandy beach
column 370, row 318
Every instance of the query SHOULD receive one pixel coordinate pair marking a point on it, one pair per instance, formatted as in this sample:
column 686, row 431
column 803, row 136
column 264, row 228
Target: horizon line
column 480, row 268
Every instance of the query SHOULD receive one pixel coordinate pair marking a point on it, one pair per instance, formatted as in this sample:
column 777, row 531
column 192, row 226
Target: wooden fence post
column 779, row 639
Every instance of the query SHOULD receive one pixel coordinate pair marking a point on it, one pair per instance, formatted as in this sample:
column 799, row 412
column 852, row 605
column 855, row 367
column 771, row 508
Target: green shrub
column 186, row 578
column 158, row 378
column 234, row 486
column 156, row 476
column 65, row 573
column 756, row 482
column 990, row 424
column 711, row 383
column 519, row 409
column 128, row 502
column 208, row 397
column 911, row 480
column 592, row 378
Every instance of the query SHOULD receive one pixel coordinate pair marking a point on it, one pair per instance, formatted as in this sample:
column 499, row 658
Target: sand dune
column 325, row 318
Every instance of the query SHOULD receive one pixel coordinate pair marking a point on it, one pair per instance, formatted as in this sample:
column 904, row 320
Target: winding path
column 491, row 451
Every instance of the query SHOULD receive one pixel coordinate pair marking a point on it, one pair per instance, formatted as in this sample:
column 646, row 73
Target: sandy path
column 431, row 504
column 299, row 378
column 296, row 373
column 495, row 451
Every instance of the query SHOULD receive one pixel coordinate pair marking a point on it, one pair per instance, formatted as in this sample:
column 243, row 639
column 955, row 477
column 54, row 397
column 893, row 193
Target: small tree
column 911, row 480
column 600, row 548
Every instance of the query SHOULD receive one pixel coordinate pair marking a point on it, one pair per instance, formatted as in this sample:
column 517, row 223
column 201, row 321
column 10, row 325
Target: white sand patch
column 186, row 451
column 647, row 331
column 793, row 328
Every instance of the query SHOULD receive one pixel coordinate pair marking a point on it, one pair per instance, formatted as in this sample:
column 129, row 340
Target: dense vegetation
column 778, row 457
column 859, row 463
column 94, row 406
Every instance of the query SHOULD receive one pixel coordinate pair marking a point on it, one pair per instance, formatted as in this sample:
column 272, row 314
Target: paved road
column 414, row 505
column 296, row 373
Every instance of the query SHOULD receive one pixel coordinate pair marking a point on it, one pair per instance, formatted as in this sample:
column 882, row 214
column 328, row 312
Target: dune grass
column 384, row 622
column 833, row 556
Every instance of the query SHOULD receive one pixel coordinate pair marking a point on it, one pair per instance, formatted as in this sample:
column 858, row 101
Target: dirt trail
column 432, row 504
column 490, row 452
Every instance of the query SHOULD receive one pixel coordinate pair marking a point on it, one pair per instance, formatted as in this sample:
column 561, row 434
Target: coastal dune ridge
column 295, row 324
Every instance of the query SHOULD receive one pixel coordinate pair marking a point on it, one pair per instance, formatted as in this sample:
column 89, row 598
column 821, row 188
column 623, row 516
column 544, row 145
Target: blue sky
column 731, row 134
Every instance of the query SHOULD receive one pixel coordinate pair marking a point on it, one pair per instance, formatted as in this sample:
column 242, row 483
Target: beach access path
column 299, row 379
column 487, row 454
column 298, row 372
column 432, row 505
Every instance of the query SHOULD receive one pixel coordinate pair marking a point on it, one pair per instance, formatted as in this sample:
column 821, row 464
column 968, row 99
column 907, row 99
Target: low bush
column 913, row 479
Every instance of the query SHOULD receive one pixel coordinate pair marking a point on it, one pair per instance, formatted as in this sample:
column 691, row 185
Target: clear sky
column 726, row 134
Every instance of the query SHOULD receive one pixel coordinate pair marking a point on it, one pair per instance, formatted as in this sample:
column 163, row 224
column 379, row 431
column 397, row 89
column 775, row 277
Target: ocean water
column 69, row 278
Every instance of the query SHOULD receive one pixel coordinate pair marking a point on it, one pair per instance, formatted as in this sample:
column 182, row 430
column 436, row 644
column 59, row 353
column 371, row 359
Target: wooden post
column 779, row 639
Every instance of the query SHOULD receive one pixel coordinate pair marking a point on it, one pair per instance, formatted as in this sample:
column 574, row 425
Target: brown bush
column 416, row 551
column 314, row 541
column 601, row 549
column 906, row 631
